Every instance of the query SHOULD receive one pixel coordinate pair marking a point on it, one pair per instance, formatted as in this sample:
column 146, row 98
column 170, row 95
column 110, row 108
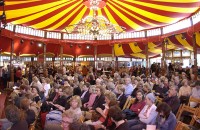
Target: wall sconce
column 22, row 41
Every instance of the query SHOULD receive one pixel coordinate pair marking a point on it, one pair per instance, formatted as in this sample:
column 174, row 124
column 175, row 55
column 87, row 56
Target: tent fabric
column 134, row 15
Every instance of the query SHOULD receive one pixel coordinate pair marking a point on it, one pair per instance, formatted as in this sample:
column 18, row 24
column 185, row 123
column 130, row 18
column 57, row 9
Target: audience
column 68, row 98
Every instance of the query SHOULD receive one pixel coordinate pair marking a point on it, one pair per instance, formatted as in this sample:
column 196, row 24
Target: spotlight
column 119, row 45
column 1, row 3
column 71, row 45
column 39, row 45
column 32, row 42
column 22, row 41
column 88, row 47
column 183, row 37
column 79, row 46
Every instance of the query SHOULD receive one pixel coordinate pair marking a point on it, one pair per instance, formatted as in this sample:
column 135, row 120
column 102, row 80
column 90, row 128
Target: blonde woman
column 73, row 113
column 184, row 92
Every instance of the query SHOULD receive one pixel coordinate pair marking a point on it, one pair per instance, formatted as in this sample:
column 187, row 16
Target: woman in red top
column 136, row 107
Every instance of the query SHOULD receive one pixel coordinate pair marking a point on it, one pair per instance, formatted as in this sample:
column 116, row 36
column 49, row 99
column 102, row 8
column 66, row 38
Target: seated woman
column 26, row 113
column 136, row 107
column 61, row 102
column 110, row 99
column 92, row 97
column 184, row 92
column 121, row 98
column 165, row 120
column 146, row 116
column 35, row 94
column 73, row 113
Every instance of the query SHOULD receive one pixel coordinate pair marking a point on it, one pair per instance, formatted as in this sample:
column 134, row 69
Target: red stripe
column 157, row 11
column 173, row 4
column 132, row 18
column 70, row 19
column 119, row 20
column 14, row 19
column 176, row 42
column 26, row 5
column 49, row 15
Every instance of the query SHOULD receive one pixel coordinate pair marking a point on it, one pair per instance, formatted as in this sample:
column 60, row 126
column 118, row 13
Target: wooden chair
column 195, row 100
column 131, row 101
column 32, row 126
column 195, row 117
column 158, row 100
column 128, row 103
column 186, row 108
column 182, row 126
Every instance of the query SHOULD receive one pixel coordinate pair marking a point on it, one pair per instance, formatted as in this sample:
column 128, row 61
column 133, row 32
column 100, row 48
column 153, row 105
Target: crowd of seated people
column 87, row 101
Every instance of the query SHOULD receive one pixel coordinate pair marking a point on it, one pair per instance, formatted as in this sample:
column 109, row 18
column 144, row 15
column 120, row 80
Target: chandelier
column 94, row 25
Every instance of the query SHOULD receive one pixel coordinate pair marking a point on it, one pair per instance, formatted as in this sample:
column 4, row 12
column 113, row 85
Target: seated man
column 172, row 99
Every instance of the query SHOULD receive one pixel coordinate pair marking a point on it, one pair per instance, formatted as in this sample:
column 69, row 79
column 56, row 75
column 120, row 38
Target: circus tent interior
column 136, row 31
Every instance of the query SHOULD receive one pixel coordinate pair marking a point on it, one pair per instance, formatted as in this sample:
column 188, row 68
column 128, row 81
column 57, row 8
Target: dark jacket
column 86, row 97
column 168, row 124
column 122, row 100
column 173, row 102
column 99, row 102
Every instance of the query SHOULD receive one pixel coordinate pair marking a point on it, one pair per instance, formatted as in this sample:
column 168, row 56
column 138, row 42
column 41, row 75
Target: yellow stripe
column 159, row 18
column 139, row 55
column 198, row 38
column 37, row 15
column 134, row 48
column 166, row 8
column 118, row 50
column 19, row 2
column 171, row 45
column 31, row 10
column 154, row 50
column 136, row 17
column 75, row 21
column 110, row 17
column 151, row 45
column 126, row 19
column 99, row 12
column 183, row 42
column 57, row 16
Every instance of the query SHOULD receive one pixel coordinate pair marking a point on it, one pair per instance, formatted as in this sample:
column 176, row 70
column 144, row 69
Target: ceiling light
column 39, row 44
column 32, row 42
column 22, row 41
column 88, row 47
column 71, row 45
